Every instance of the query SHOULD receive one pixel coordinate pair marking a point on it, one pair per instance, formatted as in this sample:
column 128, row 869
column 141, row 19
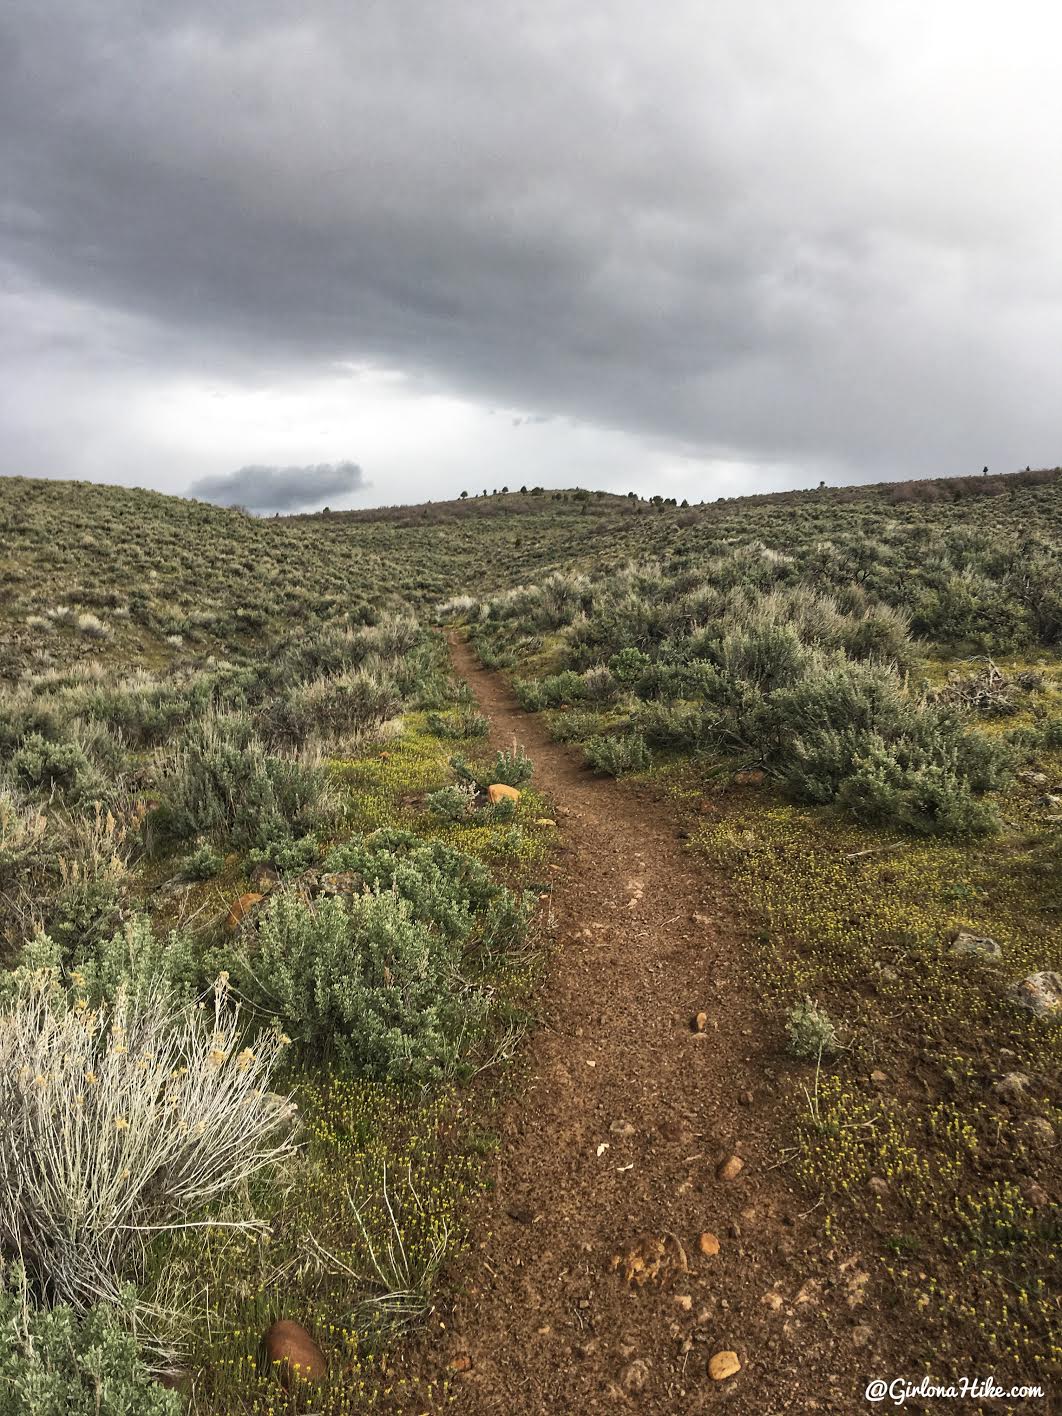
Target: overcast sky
column 413, row 247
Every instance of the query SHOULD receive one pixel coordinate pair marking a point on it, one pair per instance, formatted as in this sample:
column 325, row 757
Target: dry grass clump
column 122, row 1122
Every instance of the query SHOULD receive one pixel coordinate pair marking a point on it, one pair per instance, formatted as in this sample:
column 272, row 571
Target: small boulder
column 340, row 882
column 750, row 777
column 241, row 908
column 264, row 877
column 1038, row 1134
column 974, row 946
column 1034, row 779
column 1012, row 1088
column 294, row 1354
column 723, row 1365
column 1041, row 993
column 709, row 1244
column 498, row 791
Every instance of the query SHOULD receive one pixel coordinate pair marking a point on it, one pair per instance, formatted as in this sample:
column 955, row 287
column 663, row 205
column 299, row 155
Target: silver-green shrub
column 361, row 982
column 60, row 1362
column 122, row 1121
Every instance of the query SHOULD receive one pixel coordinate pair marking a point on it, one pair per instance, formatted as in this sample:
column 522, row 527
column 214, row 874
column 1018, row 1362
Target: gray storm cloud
column 818, row 235
column 280, row 488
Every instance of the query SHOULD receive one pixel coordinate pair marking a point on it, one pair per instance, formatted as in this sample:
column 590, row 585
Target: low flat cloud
column 280, row 488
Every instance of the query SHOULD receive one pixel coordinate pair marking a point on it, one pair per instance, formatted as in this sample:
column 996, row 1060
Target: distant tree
column 537, row 491
column 504, row 491
column 632, row 496
column 523, row 491
column 464, row 496
column 685, row 501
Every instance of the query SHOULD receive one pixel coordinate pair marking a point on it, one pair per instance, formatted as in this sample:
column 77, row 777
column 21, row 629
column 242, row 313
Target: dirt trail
column 613, row 1140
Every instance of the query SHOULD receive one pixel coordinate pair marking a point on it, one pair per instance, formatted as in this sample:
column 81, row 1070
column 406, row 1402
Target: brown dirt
column 610, row 1146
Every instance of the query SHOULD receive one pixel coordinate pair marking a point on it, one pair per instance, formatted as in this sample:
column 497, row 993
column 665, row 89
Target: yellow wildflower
column 121, row 1124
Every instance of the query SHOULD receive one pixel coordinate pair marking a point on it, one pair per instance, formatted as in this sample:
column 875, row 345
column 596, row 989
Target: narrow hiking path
column 589, row 1289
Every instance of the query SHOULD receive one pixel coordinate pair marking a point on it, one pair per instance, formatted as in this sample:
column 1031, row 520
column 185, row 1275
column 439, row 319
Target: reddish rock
column 293, row 1352
column 750, row 777
column 241, row 908
column 499, row 792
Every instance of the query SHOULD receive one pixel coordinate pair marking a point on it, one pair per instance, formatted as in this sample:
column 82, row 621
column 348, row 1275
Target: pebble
column 730, row 1168
column 723, row 1365
column 635, row 1376
column 709, row 1244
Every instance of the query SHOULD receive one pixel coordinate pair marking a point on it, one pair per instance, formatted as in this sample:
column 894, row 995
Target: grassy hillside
column 974, row 561
column 226, row 778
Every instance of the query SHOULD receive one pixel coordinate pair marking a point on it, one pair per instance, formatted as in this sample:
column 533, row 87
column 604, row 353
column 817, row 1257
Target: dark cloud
column 281, row 488
column 756, row 232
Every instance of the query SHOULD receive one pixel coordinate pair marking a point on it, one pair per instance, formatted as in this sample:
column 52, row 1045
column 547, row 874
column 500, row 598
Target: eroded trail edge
column 590, row 1285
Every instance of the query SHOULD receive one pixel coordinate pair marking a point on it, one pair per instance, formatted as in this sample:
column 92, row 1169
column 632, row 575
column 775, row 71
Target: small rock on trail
column 723, row 1365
